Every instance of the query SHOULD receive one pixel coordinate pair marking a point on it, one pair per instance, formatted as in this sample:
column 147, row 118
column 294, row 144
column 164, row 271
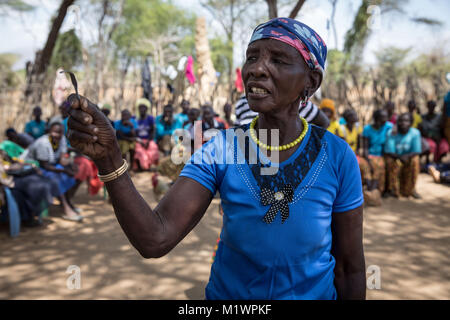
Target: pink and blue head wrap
column 298, row 35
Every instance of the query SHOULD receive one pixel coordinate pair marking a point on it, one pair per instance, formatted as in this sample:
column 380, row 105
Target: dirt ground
column 407, row 239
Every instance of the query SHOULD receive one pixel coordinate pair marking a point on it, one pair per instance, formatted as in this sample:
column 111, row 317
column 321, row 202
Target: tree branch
column 296, row 9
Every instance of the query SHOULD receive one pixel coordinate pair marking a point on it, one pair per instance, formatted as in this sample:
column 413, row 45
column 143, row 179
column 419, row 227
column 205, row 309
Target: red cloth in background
column 145, row 156
column 190, row 70
column 87, row 171
column 238, row 83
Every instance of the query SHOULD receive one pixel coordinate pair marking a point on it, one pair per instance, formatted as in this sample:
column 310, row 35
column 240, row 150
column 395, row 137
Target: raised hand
column 90, row 131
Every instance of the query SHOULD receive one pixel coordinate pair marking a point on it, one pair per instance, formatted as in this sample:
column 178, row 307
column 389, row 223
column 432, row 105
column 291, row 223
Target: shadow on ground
column 407, row 239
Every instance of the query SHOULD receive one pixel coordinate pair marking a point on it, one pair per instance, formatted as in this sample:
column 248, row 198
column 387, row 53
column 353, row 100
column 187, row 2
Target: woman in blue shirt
column 292, row 224
column 36, row 127
column 126, row 129
column 402, row 152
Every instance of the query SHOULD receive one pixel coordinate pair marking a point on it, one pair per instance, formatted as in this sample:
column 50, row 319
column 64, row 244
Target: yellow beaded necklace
column 278, row 148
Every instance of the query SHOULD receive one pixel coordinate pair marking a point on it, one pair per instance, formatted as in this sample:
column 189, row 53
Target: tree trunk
column 296, row 9
column 273, row 12
column 35, row 78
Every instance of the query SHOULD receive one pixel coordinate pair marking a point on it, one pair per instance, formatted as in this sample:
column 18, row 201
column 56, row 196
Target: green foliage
column 335, row 70
column 8, row 78
column 68, row 51
column 221, row 54
column 16, row 5
column 151, row 19
column 391, row 64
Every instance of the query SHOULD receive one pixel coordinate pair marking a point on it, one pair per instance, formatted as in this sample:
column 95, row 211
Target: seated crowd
column 39, row 164
column 389, row 149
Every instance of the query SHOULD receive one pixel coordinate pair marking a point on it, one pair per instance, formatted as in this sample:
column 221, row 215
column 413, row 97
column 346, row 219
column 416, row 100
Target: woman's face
column 56, row 132
column 142, row 110
column 328, row 112
column 126, row 115
column 275, row 75
column 404, row 123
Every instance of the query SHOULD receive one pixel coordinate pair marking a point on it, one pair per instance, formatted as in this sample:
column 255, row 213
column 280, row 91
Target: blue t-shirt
column 401, row 144
column 447, row 104
column 162, row 129
column 277, row 260
column 125, row 129
column 377, row 138
column 144, row 126
column 181, row 118
column 35, row 129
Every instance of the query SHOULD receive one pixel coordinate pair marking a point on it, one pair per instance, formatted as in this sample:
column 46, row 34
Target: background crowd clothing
column 125, row 145
column 36, row 129
column 446, row 115
column 182, row 118
column 401, row 144
column 402, row 176
column 417, row 120
column 12, row 149
column 376, row 138
column 42, row 150
column 431, row 127
column 352, row 136
column 145, row 127
column 146, row 154
column 163, row 128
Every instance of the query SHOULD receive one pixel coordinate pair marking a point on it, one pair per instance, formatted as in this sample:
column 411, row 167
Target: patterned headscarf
column 298, row 35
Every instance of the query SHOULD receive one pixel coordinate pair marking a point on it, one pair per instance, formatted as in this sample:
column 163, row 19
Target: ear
column 314, row 81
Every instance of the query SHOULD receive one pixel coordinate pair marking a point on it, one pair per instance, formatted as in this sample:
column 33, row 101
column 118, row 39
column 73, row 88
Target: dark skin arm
column 153, row 232
column 347, row 249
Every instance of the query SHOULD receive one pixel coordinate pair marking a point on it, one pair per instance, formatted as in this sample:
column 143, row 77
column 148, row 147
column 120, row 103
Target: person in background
column 440, row 173
column 194, row 115
column 352, row 134
column 50, row 151
column 209, row 122
column 146, row 151
column 182, row 117
column 431, row 130
column 374, row 139
column 21, row 139
column 327, row 107
column 351, row 131
column 390, row 109
column 446, row 116
column 32, row 191
column 165, row 125
column 402, row 152
column 228, row 116
column 36, row 127
column 412, row 108
column 106, row 110
column 126, row 129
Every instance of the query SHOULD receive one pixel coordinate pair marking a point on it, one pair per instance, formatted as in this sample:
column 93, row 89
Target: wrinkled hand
column 90, row 131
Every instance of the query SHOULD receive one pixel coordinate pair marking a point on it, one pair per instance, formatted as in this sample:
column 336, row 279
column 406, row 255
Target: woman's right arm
column 152, row 232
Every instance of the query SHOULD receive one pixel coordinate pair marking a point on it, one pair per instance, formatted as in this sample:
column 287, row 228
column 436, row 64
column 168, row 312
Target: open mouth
column 257, row 91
